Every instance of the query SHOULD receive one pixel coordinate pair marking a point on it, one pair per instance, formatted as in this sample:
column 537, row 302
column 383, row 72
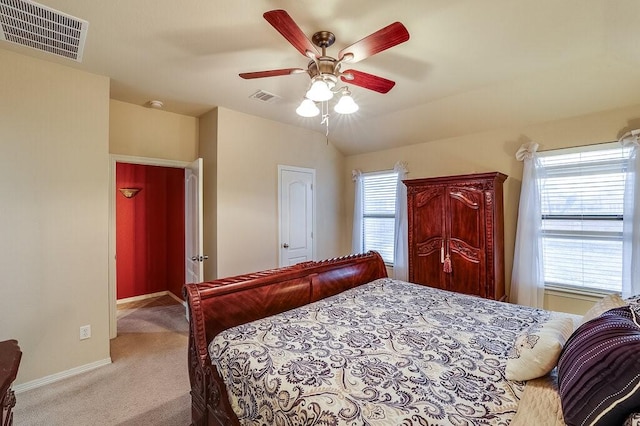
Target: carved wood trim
column 489, row 238
column 464, row 195
column 428, row 247
column 423, row 197
column 471, row 254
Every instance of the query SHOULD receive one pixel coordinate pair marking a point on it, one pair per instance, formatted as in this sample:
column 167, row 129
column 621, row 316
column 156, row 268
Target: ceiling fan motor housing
column 325, row 66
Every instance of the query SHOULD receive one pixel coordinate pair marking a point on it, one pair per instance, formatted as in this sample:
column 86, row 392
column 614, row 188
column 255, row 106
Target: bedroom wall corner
column 208, row 151
column 248, row 153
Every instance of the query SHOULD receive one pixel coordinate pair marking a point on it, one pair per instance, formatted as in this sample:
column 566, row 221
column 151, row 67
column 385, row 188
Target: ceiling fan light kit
column 346, row 104
column 307, row 108
column 324, row 70
column 320, row 89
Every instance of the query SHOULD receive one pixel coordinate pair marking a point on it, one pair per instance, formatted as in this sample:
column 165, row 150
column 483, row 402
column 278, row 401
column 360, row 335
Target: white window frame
column 582, row 235
column 379, row 214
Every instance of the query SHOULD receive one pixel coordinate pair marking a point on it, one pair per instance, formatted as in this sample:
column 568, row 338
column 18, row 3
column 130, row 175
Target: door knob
column 199, row 258
column 285, row 245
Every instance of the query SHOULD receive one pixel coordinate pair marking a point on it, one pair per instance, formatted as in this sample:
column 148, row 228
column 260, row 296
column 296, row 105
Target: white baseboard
column 182, row 302
column 59, row 376
column 150, row 296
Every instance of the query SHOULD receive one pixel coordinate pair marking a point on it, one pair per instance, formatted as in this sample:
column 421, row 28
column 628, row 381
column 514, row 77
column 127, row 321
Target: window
column 582, row 194
column 378, row 213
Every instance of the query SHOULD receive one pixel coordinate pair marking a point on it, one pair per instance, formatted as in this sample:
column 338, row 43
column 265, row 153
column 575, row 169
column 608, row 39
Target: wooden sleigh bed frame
column 217, row 305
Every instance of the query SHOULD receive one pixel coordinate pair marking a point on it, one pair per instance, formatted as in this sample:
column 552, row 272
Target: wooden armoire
column 456, row 233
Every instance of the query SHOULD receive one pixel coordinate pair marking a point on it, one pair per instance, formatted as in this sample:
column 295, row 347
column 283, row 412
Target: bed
column 337, row 342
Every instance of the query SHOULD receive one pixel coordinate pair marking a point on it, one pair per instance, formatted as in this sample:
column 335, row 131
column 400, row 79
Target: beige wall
column 494, row 151
column 208, row 150
column 138, row 131
column 54, row 171
column 249, row 152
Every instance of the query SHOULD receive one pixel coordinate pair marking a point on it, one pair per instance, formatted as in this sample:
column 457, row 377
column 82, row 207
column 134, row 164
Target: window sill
column 575, row 293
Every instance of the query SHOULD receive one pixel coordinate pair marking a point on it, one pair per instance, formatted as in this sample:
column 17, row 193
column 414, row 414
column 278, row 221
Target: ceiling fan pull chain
column 325, row 116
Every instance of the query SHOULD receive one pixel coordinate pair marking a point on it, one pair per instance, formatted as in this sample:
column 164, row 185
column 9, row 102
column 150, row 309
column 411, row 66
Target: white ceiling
column 469, row 65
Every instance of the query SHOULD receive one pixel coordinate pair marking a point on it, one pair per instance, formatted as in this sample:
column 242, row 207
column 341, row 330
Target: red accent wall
column 149, row 230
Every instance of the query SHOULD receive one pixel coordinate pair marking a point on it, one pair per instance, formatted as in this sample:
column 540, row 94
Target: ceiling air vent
column 39, row 27
column 263, row 96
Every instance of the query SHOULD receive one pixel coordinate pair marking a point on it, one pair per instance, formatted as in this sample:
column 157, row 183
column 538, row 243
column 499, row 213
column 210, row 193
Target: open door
column 194, row 245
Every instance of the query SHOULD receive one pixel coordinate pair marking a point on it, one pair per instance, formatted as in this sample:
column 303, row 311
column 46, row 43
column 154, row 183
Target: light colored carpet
column 146, row 384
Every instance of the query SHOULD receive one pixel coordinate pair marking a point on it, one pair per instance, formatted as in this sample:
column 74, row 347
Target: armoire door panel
column 466, row 216
column 430, row 205
column 428, row 270
column 428, row 260
column 466, row 275
column 428, row 229
column 467, row 268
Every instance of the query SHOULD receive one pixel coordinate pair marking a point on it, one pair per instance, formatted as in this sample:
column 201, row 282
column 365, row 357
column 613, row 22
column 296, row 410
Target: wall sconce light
column 129, row 192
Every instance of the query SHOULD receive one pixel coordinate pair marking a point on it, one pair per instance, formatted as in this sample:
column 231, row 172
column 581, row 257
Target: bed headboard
column 217, row 305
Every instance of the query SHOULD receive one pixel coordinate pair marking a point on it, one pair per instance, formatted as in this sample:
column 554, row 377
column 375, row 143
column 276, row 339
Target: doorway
column 112, row 224
column 150, row 231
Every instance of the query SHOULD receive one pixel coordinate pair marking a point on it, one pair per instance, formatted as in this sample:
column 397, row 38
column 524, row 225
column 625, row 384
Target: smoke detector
column 155, row 104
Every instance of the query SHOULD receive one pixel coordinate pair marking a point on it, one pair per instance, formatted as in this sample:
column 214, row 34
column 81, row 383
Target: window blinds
column 378, row 213
column 582, row 206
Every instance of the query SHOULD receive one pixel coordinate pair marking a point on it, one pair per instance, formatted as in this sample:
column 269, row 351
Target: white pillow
column 610, row 301
column 536, row 351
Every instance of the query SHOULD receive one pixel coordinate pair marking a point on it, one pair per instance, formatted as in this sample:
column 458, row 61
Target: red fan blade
column 368, row 81
column 271, row 73
column 383, row 39
column 282, row 22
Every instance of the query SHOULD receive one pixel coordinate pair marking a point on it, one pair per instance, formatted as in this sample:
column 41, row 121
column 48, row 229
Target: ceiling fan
column 326, row 69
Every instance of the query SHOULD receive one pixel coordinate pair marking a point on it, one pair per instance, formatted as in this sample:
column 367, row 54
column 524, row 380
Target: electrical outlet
column 85, row 332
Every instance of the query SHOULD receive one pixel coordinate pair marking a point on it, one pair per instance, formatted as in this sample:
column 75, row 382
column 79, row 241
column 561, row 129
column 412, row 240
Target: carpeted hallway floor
column 146, row 384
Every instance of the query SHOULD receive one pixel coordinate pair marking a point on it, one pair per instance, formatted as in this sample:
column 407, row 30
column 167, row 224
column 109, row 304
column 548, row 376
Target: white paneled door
column 194, row 262
column 296, row 214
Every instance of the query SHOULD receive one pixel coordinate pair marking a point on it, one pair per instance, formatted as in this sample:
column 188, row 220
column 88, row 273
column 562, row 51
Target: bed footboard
column 217, row 305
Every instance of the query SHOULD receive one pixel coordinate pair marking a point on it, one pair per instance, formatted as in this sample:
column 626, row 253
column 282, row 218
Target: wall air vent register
column 39, row 27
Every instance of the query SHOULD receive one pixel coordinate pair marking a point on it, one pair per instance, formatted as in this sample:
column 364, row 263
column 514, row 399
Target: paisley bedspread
column 385, row 353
